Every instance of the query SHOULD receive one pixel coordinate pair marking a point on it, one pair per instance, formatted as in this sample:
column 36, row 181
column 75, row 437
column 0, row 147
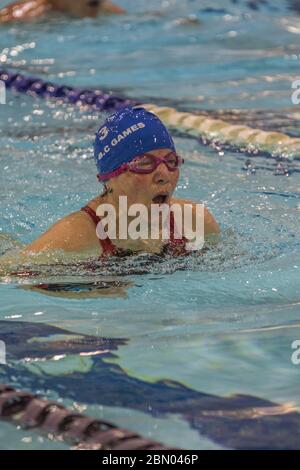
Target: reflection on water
column 237, row 421
column 81, row 289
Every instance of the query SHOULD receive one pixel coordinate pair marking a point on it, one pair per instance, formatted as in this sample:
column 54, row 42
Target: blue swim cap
column 126, row 134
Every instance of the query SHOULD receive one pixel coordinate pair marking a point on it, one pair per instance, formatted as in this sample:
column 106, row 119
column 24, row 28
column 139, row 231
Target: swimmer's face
column 143, row 188
column 81, row 8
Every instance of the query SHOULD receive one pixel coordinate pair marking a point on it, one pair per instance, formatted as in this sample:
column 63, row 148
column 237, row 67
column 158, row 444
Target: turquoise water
column 220, row 324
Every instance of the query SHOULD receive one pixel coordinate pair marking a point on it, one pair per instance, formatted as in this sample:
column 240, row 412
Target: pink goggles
column 145, row 164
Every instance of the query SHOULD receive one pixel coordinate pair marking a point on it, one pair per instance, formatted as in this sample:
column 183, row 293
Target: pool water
column 221, row 324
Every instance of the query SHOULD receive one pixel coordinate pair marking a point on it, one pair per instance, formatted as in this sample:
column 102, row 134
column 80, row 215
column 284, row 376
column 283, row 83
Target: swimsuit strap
column 91, row 213
column 107, row 245
column 176, row 246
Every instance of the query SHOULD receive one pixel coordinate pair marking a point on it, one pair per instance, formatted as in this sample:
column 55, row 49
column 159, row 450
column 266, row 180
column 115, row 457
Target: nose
column 161, row 174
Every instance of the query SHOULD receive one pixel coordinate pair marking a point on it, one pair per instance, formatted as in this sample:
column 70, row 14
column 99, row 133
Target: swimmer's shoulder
column 74, row 233
column 211, row 226
column 24, row 10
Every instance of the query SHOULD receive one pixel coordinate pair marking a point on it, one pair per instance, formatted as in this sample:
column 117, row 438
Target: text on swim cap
column 103, row 133
column 116, row 140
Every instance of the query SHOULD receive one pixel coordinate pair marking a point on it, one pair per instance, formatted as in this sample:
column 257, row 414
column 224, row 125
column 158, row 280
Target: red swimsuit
column 174, row 247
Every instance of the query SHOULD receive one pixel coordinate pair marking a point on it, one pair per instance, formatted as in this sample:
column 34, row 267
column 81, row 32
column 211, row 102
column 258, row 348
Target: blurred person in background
column 25, row 10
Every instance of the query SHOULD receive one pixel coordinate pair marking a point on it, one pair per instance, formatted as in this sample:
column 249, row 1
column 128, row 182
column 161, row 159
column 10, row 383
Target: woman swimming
column 137, row 161
column 29, row 9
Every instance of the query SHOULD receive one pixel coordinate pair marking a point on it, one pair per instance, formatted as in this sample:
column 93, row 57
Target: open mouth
column 160, row 198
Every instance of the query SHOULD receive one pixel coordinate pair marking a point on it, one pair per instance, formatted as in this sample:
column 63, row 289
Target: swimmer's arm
column 74, row 233
column 109, row 7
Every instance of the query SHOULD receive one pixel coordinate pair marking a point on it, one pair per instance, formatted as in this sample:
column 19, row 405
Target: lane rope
column 33, row 413
column 208, row 129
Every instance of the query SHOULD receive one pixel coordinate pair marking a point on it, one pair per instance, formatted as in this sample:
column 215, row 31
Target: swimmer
column 135, row 157
column 31, row 9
